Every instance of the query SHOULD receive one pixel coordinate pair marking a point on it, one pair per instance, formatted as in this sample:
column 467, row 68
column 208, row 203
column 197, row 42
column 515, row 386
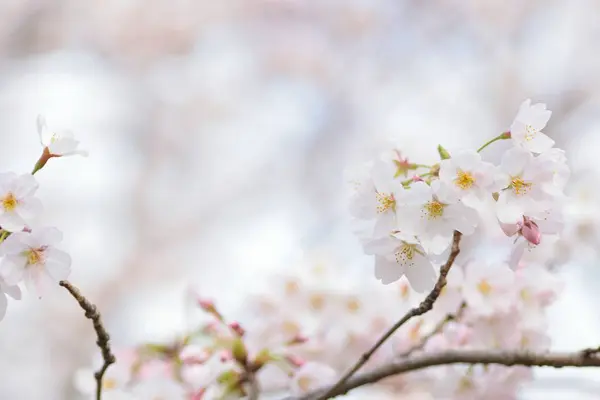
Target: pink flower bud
column 199, row 395
column 531, row 232
column 235, row 326
column 417, row 178
column 225, row 356
column 206, row 304
column 295, row 360
column 298, row 339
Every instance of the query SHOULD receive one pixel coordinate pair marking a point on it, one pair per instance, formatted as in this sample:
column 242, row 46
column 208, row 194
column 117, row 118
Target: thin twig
column 472, row 357
column 424, row 307
column 103, row 338
column 438, row 329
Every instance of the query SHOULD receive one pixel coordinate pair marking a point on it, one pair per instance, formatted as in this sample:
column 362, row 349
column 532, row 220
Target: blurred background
column 219, row 132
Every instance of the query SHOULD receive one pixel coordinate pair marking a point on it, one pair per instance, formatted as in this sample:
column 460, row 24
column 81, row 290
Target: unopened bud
column 206, row 304
column 444, row 155
column 235, row 326
column 239, row 351
column 225, row 356
column 417, row 178
column 295, row 360
column 298, row 339
column 531, row 232
column 506, row 135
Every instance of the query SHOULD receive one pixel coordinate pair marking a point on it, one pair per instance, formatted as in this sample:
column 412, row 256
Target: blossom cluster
column 314, row 321
column 29, row 252
column 411, row 222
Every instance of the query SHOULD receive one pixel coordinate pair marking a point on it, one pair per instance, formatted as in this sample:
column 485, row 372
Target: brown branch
column 506, row 358
column 103, row 338
column 425, row 306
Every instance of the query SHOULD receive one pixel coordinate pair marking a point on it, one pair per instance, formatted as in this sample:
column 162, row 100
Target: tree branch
column 506, row 358
column 425, row 306
column 103, row 338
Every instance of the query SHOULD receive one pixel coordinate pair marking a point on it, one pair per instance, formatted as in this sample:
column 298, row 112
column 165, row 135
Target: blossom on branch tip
column 34, row 259
column 58, row 143
column 18, row 206
column 526, row 129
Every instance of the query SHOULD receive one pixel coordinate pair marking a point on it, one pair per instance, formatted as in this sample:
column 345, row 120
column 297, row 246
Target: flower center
column 317, row 301
column 405, row 253
column 9, row 202
column 109, row 384
column 530, row 132
column 385, row 202
column 304, row 383
column 353, row 305
column 434, row 209
column 54, row 137
column 34, row 256
column 519, row 186
column 484, row 287
column 464, row 180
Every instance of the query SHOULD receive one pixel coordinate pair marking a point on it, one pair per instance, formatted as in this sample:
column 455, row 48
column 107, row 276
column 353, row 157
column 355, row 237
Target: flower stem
column 502, row 136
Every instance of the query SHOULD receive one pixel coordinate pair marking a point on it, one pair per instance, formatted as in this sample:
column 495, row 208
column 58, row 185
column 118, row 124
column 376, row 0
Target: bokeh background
column 219, row 132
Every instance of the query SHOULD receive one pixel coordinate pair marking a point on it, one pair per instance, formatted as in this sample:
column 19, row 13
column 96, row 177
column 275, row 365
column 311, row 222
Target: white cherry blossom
column 18, row 206
column 401, row 255
column 469, row 176
column 33, row 258
column 488, row 288
column 526, row 129
column 528, row 185
column 433, row 213
column 376, row 196
column 59, row 143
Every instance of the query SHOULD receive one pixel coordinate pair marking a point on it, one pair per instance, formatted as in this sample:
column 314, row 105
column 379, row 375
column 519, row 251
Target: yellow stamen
column 484, row 287
column 433, row 209
column 109, row 384
column 317, row 302
column 34, row 256
column 405, row 253
column 464, row 180
column 9, row 202
column 519, row 186
column 530, row 132
column 386, row 202
column 291, row 328
column 353, row 305
column 304, row 383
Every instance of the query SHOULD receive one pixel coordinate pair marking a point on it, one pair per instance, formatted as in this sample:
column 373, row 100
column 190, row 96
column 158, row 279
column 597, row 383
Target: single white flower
column 526, row 129
column 18, row 206
column 433, row 213
column 312, row 376
column 528, row 186
column 399, row 255
column 488, row 289
column 471, row 178
column 32, row 257
column 58, row 143
column 376, row 196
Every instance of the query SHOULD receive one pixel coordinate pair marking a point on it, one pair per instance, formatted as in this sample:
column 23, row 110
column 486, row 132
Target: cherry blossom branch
column 425, row 306
column 506, row 358
column 103, row 338
column 438, row 329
